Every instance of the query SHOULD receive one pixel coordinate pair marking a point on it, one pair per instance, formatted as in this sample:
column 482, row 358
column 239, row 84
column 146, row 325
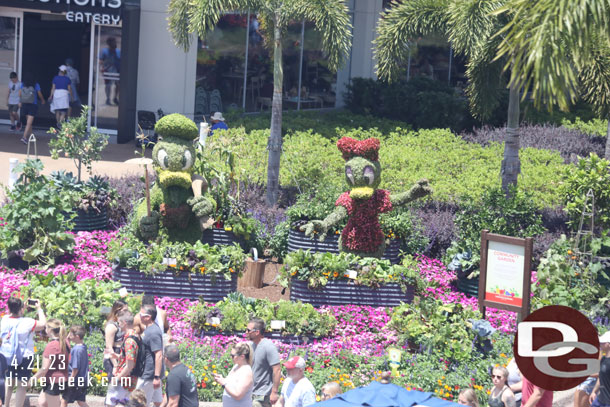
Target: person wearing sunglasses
column 239, row 382
column 265, row 367
column 181, row 385
column 500, row 395
column 152, row 340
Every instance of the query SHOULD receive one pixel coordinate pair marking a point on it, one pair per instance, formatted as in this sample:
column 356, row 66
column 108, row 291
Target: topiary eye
column 187, row 160
column 163, row 159
column 349, row 174
column 369, row 174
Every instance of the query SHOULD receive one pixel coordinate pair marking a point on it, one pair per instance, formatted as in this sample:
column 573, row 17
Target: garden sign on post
column 506, row 264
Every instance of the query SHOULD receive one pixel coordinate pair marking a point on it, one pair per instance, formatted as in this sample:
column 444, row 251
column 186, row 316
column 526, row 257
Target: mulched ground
column 271, row 288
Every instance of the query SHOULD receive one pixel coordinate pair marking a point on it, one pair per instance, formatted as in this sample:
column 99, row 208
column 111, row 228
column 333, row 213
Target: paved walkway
column 112, row 163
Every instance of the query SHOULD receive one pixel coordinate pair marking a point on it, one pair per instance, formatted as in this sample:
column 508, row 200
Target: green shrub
column 515, row 216
column 278, row 242
column 594, row 127
column 177, row 125
column 591, row 173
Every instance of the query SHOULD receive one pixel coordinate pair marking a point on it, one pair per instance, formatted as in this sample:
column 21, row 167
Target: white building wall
column 166, row 74
column 365, row 15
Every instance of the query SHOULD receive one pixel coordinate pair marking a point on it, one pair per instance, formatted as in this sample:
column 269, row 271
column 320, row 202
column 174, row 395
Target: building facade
column 127, row 61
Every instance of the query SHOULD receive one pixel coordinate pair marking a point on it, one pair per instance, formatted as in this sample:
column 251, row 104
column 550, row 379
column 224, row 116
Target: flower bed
column 167, row 283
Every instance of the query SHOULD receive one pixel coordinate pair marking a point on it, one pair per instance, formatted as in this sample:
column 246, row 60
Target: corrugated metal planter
column 469, row 287
column 293, row 339
column 86, row 221
column 184, row 285
column 342, row 292
column 298, row 241
column 218, row 237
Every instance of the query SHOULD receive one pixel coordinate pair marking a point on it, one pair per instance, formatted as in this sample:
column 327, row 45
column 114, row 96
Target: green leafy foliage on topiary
column 177, row 125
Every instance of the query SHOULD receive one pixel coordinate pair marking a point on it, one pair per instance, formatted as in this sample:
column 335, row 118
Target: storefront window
column 8, row 56
column 106, row 95
column 220, row 66
column 319, row 83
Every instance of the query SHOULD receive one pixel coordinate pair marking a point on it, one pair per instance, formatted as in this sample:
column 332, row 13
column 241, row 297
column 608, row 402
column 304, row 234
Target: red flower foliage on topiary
column 350, row 147
column 363, row 232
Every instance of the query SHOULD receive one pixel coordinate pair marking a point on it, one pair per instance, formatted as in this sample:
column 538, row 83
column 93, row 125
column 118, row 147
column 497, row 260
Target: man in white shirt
column 297, row 390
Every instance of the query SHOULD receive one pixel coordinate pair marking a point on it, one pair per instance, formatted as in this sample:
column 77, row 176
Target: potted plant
column 91, row 199
column 34, row 224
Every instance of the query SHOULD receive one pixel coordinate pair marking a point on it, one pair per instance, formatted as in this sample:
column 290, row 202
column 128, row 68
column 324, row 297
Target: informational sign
column 504, row 282
column 106, row 12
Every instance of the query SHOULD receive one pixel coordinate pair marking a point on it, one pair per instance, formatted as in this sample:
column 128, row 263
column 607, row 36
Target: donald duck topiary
column 363, row 204
column 179, row 200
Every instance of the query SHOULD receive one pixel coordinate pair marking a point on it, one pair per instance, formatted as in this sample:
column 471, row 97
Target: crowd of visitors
column 139, row 353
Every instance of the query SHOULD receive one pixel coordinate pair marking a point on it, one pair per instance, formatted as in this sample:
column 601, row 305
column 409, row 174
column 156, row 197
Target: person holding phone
column 17, row 333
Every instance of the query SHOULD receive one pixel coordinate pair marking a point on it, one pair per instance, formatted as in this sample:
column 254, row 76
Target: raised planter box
column 298, row 241
column 183, row 285
column 342, row 292
column 218, row 237
column 297, row 340
column 86, row 221
column 470, row 287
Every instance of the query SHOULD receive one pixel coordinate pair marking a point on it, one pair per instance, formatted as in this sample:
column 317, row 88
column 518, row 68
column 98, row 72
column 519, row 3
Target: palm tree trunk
column 607, row 152
column 275, row 138
column 511, row 166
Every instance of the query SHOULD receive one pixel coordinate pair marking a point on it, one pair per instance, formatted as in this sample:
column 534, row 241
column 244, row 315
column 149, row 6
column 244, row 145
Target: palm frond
column 486, row 83
column 332, row 20
column 472, row 23
column 403, row 23
column 545, row 40
column 595, row 78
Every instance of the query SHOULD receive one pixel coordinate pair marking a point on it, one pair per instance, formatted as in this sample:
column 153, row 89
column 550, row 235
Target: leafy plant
column 320, row 268
column 513, row 216
column 81, row 143
column 34, row 217
column 93, row 195
column 593, row 174
column 594, row 127
column 278, row 243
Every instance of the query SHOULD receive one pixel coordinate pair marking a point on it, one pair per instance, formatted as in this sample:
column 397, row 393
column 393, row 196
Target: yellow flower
column 104, row 374
column 35, row 349
column 214, row 371
column 205, row 367
column 213, row 366
column 503, row 355
column 318, row 398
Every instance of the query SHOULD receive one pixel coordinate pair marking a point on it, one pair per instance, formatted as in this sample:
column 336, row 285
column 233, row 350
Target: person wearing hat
column 61, row 92
column 600, row 396
column 72, row 73
column 297, row 390
column 218, row 123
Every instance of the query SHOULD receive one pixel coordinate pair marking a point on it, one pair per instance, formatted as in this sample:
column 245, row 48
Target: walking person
column 78, row 369
column 29, row 94
column 128, row 367
column 12, row 100
column 74, row 76
column 54, row 367
column 152, row 340
column 17, row 334
column 110, row 59
column 114, row 336
column 534, row 396
column 500, row 395
column 161, row 319
column 266, row 367
column 297, row 390
column 181, row 387
column 239, row 382
column 60, row 97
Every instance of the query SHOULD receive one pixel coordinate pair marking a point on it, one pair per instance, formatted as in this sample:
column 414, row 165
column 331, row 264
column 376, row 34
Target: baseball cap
column 63, row 68
column 605, row 338
column 295, row 362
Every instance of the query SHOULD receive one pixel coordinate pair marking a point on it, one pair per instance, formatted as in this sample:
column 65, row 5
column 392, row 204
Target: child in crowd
column 137, row 399
column 12, row 100
column 78, row 369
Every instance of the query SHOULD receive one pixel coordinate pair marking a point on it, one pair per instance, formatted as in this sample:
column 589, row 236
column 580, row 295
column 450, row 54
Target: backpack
column 28, row 94
column 11, row 348
column 138, row 369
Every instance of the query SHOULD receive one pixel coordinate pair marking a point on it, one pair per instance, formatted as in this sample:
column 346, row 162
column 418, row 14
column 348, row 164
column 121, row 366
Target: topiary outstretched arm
column 322, row 226
column 419, row 190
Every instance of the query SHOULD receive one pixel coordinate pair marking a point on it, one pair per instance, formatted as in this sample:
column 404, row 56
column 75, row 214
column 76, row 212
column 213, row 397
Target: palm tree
column 471, row 27
column 330, row 18
column 561, row 50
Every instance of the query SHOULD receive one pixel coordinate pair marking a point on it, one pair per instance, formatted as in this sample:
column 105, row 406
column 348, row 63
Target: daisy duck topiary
column 179, row 199
column 363, row 204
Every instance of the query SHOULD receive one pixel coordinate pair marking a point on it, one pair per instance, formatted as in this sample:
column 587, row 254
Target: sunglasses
column 248, row 330
column 493, row 376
